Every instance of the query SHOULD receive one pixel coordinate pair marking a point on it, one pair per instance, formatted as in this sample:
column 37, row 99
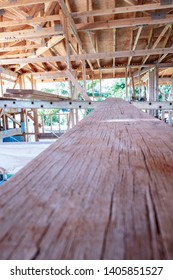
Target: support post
column 126, row 84
column 1, row 85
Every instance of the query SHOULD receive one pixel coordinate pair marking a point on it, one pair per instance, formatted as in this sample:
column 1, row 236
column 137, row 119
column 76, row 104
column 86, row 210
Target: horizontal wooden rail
column 34, row 104
column 102, row 191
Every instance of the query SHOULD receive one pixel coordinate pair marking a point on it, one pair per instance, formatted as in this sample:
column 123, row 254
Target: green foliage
column 164, row 90
column 46, row 113
column 57, row 88
column 118, row 88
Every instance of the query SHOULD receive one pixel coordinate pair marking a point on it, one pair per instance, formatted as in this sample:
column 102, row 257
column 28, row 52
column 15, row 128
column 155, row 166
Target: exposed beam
column 165, row 29
column 135, row 42
column 45, row 76
column 71, row 21
column 103, row 55
column 10, row 132
column 21, row 3
column 28, row 34
column 73, row 27
column 14, row 120
column 29, row 21
column 20, row 48
column 94, row 49
column 121, row 23
column 165, row 80
column 52, row 42
column 122, row 10
column 77, row 85
column 8, row 72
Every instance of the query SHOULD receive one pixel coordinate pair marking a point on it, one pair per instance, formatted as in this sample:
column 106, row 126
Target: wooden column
column 27, row 127
column 92, row 88
column 156, row 83
column 84, row 74
column 170, row 118
column 139, row 85
column 71, row 93
column 127, row 96
column 151, row 88
column 66, row 32
column 35, row 113
column 133, row 85
column 23, row 124
column 100, row 86
column 156, row 88
column 151, row 85
column 1, row 86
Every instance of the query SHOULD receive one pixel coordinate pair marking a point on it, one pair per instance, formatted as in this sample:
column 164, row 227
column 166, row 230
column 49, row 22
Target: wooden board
column 102, row 191
column 33, row 94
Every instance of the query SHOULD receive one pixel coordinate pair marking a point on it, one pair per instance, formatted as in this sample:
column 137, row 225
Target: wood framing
column 122, row 23
column 104, row 55
column 122, row 10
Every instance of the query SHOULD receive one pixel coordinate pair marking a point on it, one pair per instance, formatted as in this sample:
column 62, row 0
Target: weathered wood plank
column 102, row 191
column 10, row 132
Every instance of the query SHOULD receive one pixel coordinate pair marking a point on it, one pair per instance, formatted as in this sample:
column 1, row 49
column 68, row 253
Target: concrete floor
column 14, row 156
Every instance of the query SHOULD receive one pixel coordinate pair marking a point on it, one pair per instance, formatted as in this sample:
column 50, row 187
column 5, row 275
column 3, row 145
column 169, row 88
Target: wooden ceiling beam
column 73, row 26
column 135, row 42
column 165, row 29
column 40, row 51
column 77, row 85
column 28, row 34
column 20, row 48
column 29, row 21
column 122, row 10
column 94, row 49
column 123, row 23
column 21, row 3
column 93, row 56
column 8, row 72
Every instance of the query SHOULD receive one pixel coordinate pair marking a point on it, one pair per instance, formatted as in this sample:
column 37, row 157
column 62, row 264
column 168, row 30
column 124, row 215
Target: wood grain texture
column 104, row 190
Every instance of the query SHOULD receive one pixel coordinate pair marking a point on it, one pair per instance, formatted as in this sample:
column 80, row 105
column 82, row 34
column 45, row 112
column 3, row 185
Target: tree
column 118, row 88
column 47, row 115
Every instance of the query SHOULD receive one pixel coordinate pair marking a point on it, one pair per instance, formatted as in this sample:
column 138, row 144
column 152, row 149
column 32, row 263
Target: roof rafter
column 21, row 3
column 165, row 29
column 122, row 23
column 52, row 42
column 122, row 10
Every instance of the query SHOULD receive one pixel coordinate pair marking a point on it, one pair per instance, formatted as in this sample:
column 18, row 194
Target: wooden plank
column 10, row 132
column 13, row 119
column 8, row 72
column 73, row 27
column 165, row 29
column 29, row 21
column 32, row 94
column 122, row 10
column 122, row 23
column 135, row 42
column 111, row 175
column 27, row 104
column 104, row 55
column 41, row 50
column 77, row 85
column 20, row 48
column 28, row 33
column 21, row 3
